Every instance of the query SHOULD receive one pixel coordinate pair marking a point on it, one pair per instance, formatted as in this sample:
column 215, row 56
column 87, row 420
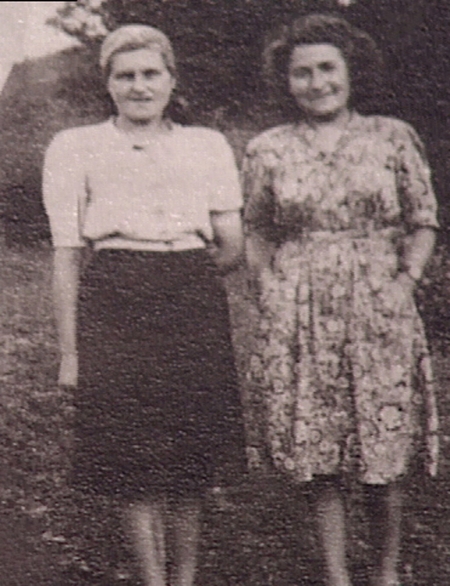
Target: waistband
column 190, row 242
column 159, row 255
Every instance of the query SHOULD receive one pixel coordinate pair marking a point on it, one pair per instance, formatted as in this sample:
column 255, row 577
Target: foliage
column 83, row 19
column 218, row 42
column 89, row 19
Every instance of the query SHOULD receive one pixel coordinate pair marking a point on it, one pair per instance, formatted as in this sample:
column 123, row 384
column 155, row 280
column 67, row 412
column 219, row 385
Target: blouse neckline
column 134, row 142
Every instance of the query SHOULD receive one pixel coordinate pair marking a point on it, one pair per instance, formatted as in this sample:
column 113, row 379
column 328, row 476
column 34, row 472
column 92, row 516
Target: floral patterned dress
column 345, row 381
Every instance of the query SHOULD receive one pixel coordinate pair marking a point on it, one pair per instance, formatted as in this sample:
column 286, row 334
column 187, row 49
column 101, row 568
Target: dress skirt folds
column 158, row 407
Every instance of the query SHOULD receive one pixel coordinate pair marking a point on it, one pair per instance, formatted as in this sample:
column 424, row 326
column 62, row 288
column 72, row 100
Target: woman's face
column 319, row 80
column 140, row 85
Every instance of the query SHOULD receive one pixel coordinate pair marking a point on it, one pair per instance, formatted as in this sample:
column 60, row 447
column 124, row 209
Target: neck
column 336, row 120
column 141, row 127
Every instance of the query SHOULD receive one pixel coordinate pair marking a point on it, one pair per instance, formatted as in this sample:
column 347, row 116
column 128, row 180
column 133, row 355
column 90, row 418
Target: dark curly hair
column 359, row 50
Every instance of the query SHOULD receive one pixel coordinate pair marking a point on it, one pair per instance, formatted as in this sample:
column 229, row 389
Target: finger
column 68, row 380
column 65, row 386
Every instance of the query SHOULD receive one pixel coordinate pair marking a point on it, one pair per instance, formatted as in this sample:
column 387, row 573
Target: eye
column 300, row 72
column 327, row 66
column 124, row 76
column 151, row 73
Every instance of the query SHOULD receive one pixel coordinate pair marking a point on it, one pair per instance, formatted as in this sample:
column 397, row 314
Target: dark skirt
column 158, row 406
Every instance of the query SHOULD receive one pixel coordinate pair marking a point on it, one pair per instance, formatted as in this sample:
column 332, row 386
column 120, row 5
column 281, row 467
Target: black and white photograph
column 225, row 293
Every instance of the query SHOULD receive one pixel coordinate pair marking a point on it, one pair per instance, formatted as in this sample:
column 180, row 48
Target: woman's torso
column 122, row 195
column 357, row 187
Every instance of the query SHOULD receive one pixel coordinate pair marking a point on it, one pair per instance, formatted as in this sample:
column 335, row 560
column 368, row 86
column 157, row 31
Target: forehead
column 307, row 55
column 138, row 59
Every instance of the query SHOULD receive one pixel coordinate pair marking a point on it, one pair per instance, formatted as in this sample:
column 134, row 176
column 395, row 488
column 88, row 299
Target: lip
column 322, row 96
column 144, row 100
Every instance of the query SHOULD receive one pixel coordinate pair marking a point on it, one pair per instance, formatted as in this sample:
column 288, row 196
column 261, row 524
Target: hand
column 399, row 294
column 68, row 370
column 225, row 261
column 258, row 282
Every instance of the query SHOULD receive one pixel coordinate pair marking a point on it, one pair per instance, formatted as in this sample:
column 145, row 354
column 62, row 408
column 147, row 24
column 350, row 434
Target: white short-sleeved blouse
column 101, row 187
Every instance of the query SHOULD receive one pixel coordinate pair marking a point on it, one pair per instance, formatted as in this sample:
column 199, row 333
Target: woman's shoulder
column 201, row 134
column 270, row 140
column 80, row 136
column 389, row 128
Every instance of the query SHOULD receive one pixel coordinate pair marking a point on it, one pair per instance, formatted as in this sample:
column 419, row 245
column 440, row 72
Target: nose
column 317, row 79
column 139, row 83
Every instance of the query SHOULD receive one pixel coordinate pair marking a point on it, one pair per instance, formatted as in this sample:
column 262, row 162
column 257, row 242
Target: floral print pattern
column 343, row 380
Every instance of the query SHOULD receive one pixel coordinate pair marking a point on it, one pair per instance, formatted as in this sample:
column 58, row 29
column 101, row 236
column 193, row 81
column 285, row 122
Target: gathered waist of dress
column 389, row 232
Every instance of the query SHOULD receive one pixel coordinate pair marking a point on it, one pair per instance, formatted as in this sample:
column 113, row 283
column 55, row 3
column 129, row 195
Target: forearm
column 258, row 253
column 418, row 251
column 66, row 262
column 228, row 238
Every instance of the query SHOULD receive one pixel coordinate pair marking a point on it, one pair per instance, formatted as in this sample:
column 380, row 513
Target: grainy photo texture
column 224, row 293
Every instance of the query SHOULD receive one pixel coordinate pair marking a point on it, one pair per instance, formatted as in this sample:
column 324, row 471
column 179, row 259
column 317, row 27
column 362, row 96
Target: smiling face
column 140, row 85
column 319, row 80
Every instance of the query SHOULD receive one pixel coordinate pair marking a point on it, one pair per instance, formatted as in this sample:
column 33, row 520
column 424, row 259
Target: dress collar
column 306, row 134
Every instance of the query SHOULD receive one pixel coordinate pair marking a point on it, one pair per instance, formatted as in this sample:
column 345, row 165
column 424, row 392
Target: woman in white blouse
column 143, row 329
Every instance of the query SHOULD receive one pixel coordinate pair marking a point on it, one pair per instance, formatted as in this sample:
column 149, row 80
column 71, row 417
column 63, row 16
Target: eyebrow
column 133, row 71
column 318, row 64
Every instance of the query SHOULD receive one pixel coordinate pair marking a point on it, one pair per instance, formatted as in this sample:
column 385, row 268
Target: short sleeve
column 64, row 190
column 414, row 184
column 224, row 189
column 259, row 209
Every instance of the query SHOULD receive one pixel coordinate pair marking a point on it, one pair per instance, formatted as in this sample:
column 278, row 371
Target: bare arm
column 258, row 253
column 228, row 238
column 66, row 263
column 418, row 250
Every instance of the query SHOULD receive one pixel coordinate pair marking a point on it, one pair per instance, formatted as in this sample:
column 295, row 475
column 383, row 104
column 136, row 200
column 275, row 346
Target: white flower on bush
column 95, row 26
column 95, row 4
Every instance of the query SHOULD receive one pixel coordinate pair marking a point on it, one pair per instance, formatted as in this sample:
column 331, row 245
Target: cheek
column 114, row 91
column 345, row 79
column 170, row 86
column 296, row 87
column 163, row 88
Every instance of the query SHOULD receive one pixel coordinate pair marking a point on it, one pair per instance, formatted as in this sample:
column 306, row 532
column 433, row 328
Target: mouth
column 322, row 96
column 141, row 100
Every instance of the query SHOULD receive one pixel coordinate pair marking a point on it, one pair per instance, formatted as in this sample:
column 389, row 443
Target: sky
column 24, row 34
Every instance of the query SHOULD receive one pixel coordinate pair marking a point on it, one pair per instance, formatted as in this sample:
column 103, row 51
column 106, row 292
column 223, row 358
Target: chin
column 325, row 113
column 141, row 118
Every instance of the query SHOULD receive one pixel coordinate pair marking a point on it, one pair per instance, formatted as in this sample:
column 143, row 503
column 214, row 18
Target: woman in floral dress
column 340, row 219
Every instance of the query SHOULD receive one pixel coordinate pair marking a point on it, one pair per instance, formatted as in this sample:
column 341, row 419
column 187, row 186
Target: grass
column 259, row 536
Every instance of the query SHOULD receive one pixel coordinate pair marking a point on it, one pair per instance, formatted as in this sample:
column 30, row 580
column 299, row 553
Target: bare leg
column 185, row 521
column 145, row 525
column 331, row 521
column 385, row 514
